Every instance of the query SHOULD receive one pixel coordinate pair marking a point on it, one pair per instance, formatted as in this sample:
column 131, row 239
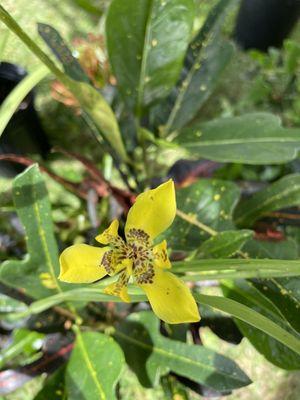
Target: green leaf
column 54, row 387
column 56, row 43
column 150, row 355
column 281, row 194
column 94, row 368
column 214, row 269
column 196, row 270
column 147, row 40
column 204, row 63
column 282, row 292
column 36, row 273
column 224, row 244
column 24, row 342
column 92, row 102
column 257, row 138
column 13, row 100
column 211, row 202
column 246, row 293
column 8, row 305
column 200, row 82
column 280, row 250
column 251, row 317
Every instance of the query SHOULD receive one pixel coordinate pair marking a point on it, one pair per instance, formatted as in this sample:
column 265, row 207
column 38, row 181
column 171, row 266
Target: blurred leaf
column 150, row 355
column 94, row 368
column 36, row 273
column 173, row 389
column 225, row 244
column 8, row 305
column 252, row 318
column 279, row 250
column 281, row 194
column 211, row 202
column 90, row 7
column 23, row 342
column 145, row 61
column 54, row 387
column 256, row 138
column 13, row 100
column 56, row 351
column 62, row 52
column 246, row 293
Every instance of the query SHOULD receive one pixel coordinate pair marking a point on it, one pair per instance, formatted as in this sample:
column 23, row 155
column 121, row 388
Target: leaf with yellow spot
column 94, row 368
column 36, row 273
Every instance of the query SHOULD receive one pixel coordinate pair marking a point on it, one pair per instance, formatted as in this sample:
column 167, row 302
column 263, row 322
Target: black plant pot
column 265, row 23
column 24, row 133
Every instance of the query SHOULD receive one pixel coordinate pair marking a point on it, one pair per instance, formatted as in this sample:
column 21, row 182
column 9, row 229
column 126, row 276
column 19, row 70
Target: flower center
column 137, row 248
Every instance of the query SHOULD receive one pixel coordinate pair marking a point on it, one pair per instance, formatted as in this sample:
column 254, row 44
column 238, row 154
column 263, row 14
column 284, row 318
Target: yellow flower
column 137, row 257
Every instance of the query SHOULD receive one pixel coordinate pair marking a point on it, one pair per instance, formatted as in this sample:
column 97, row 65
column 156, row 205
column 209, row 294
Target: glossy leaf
column 145, row 61
column 150, row 355
column 10, row 105
column 246, row 293
column 200, row 82
column 224, row 244
column 205, row 61
column 94, row 367
column 37, row 273
column 256, row 138
column 211, row 202
column 281, row 194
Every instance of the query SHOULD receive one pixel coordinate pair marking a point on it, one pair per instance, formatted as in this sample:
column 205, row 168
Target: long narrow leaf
column 251, row 317
column 13, row 100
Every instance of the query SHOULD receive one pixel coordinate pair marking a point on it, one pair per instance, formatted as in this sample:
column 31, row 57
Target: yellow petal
column 110, row 234
column 153, row 211
column 119, row 288
column 161, row 255
column 80, row 263
column 170, row 299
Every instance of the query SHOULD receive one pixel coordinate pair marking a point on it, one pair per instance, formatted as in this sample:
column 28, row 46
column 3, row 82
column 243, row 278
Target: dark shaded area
column 265, row 23
column 24, row 133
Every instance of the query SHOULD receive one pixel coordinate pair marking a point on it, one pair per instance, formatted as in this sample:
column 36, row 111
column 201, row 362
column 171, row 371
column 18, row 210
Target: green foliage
column 145, row 61
column 283, row 193
column 209, row 201
column 37, row 273
column 12, row 102
column 225, row 244
column 94, row 368
column 251, row 139
column 150, row 355
column 144, row 117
